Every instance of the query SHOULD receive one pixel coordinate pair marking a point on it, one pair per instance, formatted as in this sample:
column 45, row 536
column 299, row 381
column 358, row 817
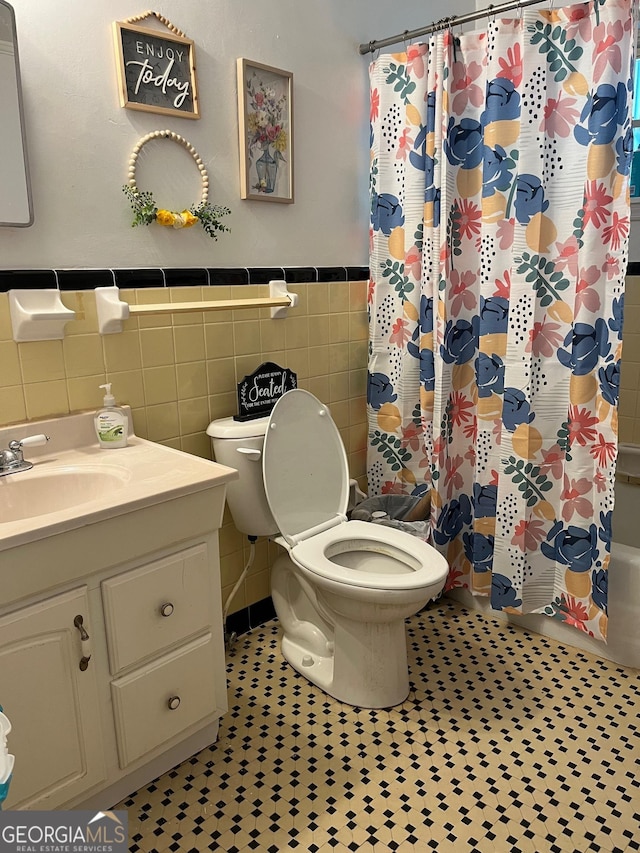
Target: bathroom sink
column 75, row 485
column 27, row 494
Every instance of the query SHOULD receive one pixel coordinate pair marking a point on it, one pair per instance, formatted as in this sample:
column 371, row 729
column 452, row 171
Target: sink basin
column 26, row 494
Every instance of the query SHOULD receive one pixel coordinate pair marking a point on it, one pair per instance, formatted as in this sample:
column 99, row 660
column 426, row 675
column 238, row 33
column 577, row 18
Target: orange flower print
column 458, row 408
column 611, row 267
column 375, row 105
column 574, row 612
column 528, row 534
column 596, row 204
column 544, row 339
column 469, row 219
column 559, row 117
column 581, row 426
column 401, row 333
column 415, row 61
column 603, row 451
column 412, row 436
column 567, row 255
column 617, row 232
column 405, row 144
column 574, row 502
column 587, row 296
column 553, row 462
column 511, row 67
column 413, row 263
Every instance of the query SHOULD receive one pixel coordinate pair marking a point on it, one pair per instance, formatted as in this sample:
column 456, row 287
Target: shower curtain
column 499, row 233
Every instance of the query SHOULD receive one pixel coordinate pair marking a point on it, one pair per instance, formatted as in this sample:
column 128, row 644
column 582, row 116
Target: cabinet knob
column 166, row 609
column 173, row 703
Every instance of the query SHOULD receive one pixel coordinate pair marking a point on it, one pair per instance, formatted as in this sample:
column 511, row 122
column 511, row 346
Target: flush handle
column 85, row 643
column 250, row 452
column 173, row 703
column 167, row 609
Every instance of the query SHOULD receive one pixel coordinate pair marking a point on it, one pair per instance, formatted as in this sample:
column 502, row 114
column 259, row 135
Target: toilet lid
column 306, row 474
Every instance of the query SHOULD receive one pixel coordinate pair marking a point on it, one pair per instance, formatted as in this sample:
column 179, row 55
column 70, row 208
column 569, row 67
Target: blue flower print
column 502, row 593
column 515, row 409
column 605, row 531
column 503, row 102
column 485, row 499
column 624, row 152
column 496, row 170
column 494, row 315
column 432, row 194
column 478, row 549
column 418, row 156
column 460, row 342
column 529, row 198
column 600, row 588
column 425, row 325
column 386, row 213
column 617, row 311
column 454, row 516
column 572, row 546
column 609, row 379
column 379, row 390
column 587, row 345
column 431, row 111
column 463, row 145
column 489, row 374
column 604, row 111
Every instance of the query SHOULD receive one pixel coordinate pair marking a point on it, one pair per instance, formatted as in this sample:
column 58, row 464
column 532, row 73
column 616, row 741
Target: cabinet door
column 52, row 704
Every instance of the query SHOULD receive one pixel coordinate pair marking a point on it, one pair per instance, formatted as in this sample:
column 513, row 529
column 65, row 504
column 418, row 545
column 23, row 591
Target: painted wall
column 80, row 139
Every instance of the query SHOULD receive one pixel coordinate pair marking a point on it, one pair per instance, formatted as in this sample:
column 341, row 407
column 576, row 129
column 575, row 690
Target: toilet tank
column 239, row 444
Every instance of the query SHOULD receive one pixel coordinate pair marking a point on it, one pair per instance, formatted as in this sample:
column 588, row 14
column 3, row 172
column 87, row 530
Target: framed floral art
column 265, row 121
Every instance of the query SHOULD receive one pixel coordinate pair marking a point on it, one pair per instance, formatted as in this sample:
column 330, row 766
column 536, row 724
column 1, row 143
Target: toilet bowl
column 342, row 589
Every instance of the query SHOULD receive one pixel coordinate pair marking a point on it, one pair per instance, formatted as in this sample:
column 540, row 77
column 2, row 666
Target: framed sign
column 156, row 70
column 265, row 122
column 260, row 391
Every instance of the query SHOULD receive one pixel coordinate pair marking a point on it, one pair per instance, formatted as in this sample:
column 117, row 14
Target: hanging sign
column 156, row 70
column 259, row 391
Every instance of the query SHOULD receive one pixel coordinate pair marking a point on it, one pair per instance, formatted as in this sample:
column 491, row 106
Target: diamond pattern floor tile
column 507, row 743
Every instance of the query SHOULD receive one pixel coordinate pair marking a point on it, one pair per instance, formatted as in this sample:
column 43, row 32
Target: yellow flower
column 164, row 217
column 189, row 218
column 280, row 142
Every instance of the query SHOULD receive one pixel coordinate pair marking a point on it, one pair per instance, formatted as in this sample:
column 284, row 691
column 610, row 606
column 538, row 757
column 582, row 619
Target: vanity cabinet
column 53, row 705
column 154, row 689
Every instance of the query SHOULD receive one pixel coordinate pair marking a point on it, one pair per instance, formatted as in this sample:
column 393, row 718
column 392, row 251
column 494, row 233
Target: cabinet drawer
column 142, row 701
column 156, row 606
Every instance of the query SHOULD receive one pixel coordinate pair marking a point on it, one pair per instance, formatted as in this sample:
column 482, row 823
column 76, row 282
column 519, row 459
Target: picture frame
column 265, row 125
column 156, row 70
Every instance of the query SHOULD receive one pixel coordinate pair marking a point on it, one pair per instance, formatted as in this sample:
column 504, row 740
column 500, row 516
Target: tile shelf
column 112, row 311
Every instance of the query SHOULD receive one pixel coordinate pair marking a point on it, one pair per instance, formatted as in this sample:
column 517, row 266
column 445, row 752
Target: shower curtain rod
column 443, row 23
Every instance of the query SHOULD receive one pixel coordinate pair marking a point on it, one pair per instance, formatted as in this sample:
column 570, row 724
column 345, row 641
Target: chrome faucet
column 12, row 460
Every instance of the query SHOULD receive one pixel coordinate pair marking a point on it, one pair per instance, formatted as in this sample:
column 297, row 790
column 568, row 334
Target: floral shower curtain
column 499, row 237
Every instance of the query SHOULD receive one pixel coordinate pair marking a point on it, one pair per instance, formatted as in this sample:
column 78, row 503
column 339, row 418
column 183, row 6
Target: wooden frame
column 265, row 124
column 156, row 70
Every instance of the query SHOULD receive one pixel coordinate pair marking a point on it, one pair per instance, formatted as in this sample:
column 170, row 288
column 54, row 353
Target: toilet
column 341, row 589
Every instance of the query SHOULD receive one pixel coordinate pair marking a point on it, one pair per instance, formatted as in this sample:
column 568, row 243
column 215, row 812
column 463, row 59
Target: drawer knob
column 173, row 703
column 167, row 609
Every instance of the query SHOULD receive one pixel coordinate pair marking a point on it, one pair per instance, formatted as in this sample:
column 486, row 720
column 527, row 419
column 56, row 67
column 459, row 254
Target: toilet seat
column 308, row 495
column 416, row 563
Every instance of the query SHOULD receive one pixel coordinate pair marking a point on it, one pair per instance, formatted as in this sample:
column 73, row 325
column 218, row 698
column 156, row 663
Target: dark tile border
column 251, row 617
column 633, row 268
column 88, row 279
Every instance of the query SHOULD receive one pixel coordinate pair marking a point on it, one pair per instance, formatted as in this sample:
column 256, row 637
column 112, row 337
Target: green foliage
column 394, row 271
column 397, row 74
column 560, row 52
column 528, row 478
column 392, row 450
column 210, row 216
column 542, row 274
column 143, row 206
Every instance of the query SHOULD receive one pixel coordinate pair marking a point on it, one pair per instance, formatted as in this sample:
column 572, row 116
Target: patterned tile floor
column 508, row 742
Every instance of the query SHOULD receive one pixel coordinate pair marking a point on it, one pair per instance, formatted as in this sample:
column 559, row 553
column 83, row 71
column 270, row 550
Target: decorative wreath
column 146, row 210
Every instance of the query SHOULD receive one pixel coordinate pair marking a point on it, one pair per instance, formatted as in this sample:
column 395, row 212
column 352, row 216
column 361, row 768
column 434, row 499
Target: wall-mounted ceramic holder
column 112, row 311
column 38, row 315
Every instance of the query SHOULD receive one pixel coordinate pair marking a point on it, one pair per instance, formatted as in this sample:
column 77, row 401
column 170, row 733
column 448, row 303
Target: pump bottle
column 111, row 422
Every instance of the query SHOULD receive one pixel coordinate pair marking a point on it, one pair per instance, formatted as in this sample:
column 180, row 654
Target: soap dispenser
column 111, row 422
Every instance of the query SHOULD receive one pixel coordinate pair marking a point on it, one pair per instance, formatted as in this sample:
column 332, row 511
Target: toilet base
column 367, row 669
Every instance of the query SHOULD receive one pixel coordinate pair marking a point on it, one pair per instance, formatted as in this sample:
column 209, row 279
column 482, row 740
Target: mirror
column 15, row 191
